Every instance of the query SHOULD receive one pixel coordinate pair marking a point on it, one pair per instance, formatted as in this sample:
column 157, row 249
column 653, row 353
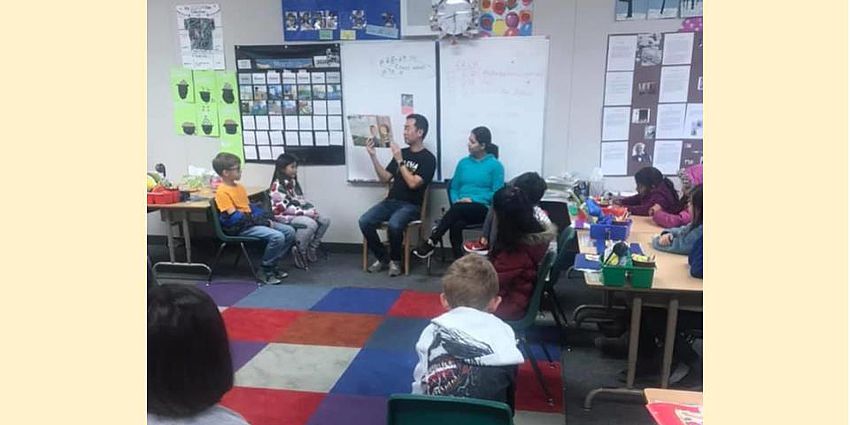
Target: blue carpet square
column 378, row 373
column 358, row 300
column 397, row 333
column 284, row 297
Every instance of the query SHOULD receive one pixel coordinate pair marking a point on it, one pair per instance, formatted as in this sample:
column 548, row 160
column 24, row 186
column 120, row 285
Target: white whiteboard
column 374, row 76
column 500, row 83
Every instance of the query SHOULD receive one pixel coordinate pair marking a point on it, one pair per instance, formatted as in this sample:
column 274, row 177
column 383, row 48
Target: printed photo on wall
column 649, row 132
column 640, row 155
column 630, row 10
column 291, row 21
column 648, row 87
column 260, row 93
column 305, row 107
column 275, row 92
column 376, row 127
column 290, row 107
column 640, row 115
column 305, row 19
column 259, row 107
column 649, row 49
column 358, row 19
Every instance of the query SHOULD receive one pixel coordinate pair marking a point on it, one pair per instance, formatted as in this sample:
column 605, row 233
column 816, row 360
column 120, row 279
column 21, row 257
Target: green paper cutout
column 205, row 86
column 233, row 144
column 185, row 119
column 226, row 88
column 229, row 120
column 207, row 119
column 182, row 89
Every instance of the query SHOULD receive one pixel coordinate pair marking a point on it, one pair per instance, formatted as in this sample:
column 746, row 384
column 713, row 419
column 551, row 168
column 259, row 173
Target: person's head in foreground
column 189, row 363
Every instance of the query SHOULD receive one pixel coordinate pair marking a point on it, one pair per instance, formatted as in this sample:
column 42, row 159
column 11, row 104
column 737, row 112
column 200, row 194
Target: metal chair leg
column 406, row 252
column 215, row 261
column 251, row 264
column 365, row 254
column 537, row 371
column 236, row 261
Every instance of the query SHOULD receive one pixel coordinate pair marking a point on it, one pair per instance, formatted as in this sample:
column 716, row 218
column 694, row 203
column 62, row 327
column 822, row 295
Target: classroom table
column 671, row 282
column 195, row 209
column 661, row 395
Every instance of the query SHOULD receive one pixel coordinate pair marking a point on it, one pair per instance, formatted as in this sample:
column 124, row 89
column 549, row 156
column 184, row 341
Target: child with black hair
column 681, row 240
column 517, row 252
column 189, row 361
column 534, row 188
column 290, row 207
column 653, row 189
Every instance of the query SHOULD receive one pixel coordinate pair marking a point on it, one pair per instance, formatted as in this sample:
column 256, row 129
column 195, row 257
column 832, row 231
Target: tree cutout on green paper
column 230, row 122
column 182, row 89
column 205, row 86
column 185, row 119
column 207, row 119
column 226, row 87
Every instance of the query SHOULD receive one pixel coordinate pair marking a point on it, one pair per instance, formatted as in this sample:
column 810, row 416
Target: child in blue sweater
column 477, row 177
column 681, row 240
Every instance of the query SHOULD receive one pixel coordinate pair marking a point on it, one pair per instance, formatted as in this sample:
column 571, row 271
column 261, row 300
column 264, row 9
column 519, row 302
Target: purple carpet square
column 378, row 373
column 243, row 351
column 358, row 300
column 225, row 294
column 350, row 409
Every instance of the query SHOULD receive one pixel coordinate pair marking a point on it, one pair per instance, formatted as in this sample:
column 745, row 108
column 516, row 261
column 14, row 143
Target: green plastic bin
column 637, row 277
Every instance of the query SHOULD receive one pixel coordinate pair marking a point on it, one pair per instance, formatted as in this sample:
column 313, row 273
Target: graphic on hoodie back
column 454, row 366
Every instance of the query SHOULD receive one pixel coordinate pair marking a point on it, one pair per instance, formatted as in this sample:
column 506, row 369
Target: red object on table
column 675, row 413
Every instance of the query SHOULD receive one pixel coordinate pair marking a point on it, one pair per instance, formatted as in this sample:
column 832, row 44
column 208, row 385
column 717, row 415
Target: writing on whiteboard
column 396, row 66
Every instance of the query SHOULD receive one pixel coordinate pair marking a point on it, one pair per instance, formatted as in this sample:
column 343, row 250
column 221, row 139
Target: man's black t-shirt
column 422, row 164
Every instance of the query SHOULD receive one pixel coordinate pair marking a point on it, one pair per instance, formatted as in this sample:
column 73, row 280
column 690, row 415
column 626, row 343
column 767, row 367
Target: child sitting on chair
column 534, row 188
column 467, row 351
column 290, row 207
column 240, row 218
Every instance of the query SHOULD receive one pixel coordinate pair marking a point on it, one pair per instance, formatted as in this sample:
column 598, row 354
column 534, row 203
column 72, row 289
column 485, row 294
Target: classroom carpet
column 288, row 368
column 318, row 354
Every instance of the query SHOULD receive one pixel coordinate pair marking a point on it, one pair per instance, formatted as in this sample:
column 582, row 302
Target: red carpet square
column 248, row 324
column 424, row 305
column 272, row 407
column 330, row 329
column 529, row 395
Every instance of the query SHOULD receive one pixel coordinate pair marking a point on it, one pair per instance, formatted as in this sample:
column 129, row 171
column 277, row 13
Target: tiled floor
column 316, row 354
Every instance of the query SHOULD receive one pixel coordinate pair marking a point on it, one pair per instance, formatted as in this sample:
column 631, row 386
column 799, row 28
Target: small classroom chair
column 413, row 225
column 522, row 325
column 230, row 240
column 415, row 409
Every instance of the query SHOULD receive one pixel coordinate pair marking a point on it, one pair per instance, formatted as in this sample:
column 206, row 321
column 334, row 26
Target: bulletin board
column 313, row 20
column 652, row 107
column 290, row 99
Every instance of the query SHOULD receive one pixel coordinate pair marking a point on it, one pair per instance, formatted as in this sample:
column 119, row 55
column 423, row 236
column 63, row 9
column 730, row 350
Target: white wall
column 578, row 31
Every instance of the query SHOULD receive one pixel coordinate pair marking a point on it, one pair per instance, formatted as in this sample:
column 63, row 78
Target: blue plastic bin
column 616, row 231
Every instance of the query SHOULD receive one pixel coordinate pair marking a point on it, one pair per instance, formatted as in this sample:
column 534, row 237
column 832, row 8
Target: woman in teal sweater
column 477, row 177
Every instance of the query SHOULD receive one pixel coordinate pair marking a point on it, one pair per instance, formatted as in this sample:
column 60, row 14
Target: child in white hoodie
column 467, row 351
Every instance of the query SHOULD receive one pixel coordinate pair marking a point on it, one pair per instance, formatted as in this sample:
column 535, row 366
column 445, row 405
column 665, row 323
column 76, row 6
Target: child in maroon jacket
column 653, row 188
column 517, row 252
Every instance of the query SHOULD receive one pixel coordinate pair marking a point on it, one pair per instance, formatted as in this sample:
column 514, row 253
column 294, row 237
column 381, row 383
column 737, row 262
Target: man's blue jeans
column 397, row 214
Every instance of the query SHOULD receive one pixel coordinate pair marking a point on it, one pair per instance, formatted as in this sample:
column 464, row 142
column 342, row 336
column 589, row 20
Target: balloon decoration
column 506, row 18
